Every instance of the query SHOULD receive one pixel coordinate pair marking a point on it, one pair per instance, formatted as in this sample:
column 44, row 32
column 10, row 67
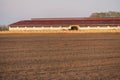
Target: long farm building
column 66, row 24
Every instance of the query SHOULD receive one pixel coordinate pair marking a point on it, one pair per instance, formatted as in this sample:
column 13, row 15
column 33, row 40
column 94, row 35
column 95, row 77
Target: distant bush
column 109, row 14
column 4, row 28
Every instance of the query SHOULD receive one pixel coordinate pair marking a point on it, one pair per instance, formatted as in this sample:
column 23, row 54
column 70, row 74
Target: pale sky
column 15, row 10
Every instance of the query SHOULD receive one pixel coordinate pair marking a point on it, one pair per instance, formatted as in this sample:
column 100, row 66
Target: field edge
column 62, row 31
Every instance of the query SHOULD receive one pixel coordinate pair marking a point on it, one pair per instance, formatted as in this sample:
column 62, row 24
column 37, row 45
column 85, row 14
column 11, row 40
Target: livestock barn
column 66, row 24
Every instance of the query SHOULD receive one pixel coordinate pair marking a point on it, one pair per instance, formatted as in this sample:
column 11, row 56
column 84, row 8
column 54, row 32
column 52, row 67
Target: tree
column 3, row 28
column 105, row 14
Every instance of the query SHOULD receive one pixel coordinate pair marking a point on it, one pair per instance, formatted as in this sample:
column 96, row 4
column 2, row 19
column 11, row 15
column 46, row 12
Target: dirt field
column 60, row 56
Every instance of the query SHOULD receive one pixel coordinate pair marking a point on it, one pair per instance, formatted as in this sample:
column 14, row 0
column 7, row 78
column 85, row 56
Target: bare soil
column 60, row 56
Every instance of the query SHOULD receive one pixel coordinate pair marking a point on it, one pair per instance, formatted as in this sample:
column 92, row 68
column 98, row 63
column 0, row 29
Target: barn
column 65, row 24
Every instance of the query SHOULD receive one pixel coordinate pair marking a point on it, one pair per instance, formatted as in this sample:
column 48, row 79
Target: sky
column 16, row 10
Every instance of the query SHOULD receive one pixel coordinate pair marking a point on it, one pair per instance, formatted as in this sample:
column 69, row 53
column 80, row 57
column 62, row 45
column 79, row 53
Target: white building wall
column 37, row 28
column 98, row 27
column 59, row 28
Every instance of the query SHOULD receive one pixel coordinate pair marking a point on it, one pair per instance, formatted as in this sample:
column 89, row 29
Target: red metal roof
column 67, row 21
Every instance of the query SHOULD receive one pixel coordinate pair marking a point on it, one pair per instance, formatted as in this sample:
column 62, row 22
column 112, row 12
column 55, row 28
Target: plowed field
column 60, row 56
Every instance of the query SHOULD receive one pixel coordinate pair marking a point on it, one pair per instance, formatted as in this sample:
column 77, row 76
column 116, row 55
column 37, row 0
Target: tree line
column 110, row 14
column 3, row 28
